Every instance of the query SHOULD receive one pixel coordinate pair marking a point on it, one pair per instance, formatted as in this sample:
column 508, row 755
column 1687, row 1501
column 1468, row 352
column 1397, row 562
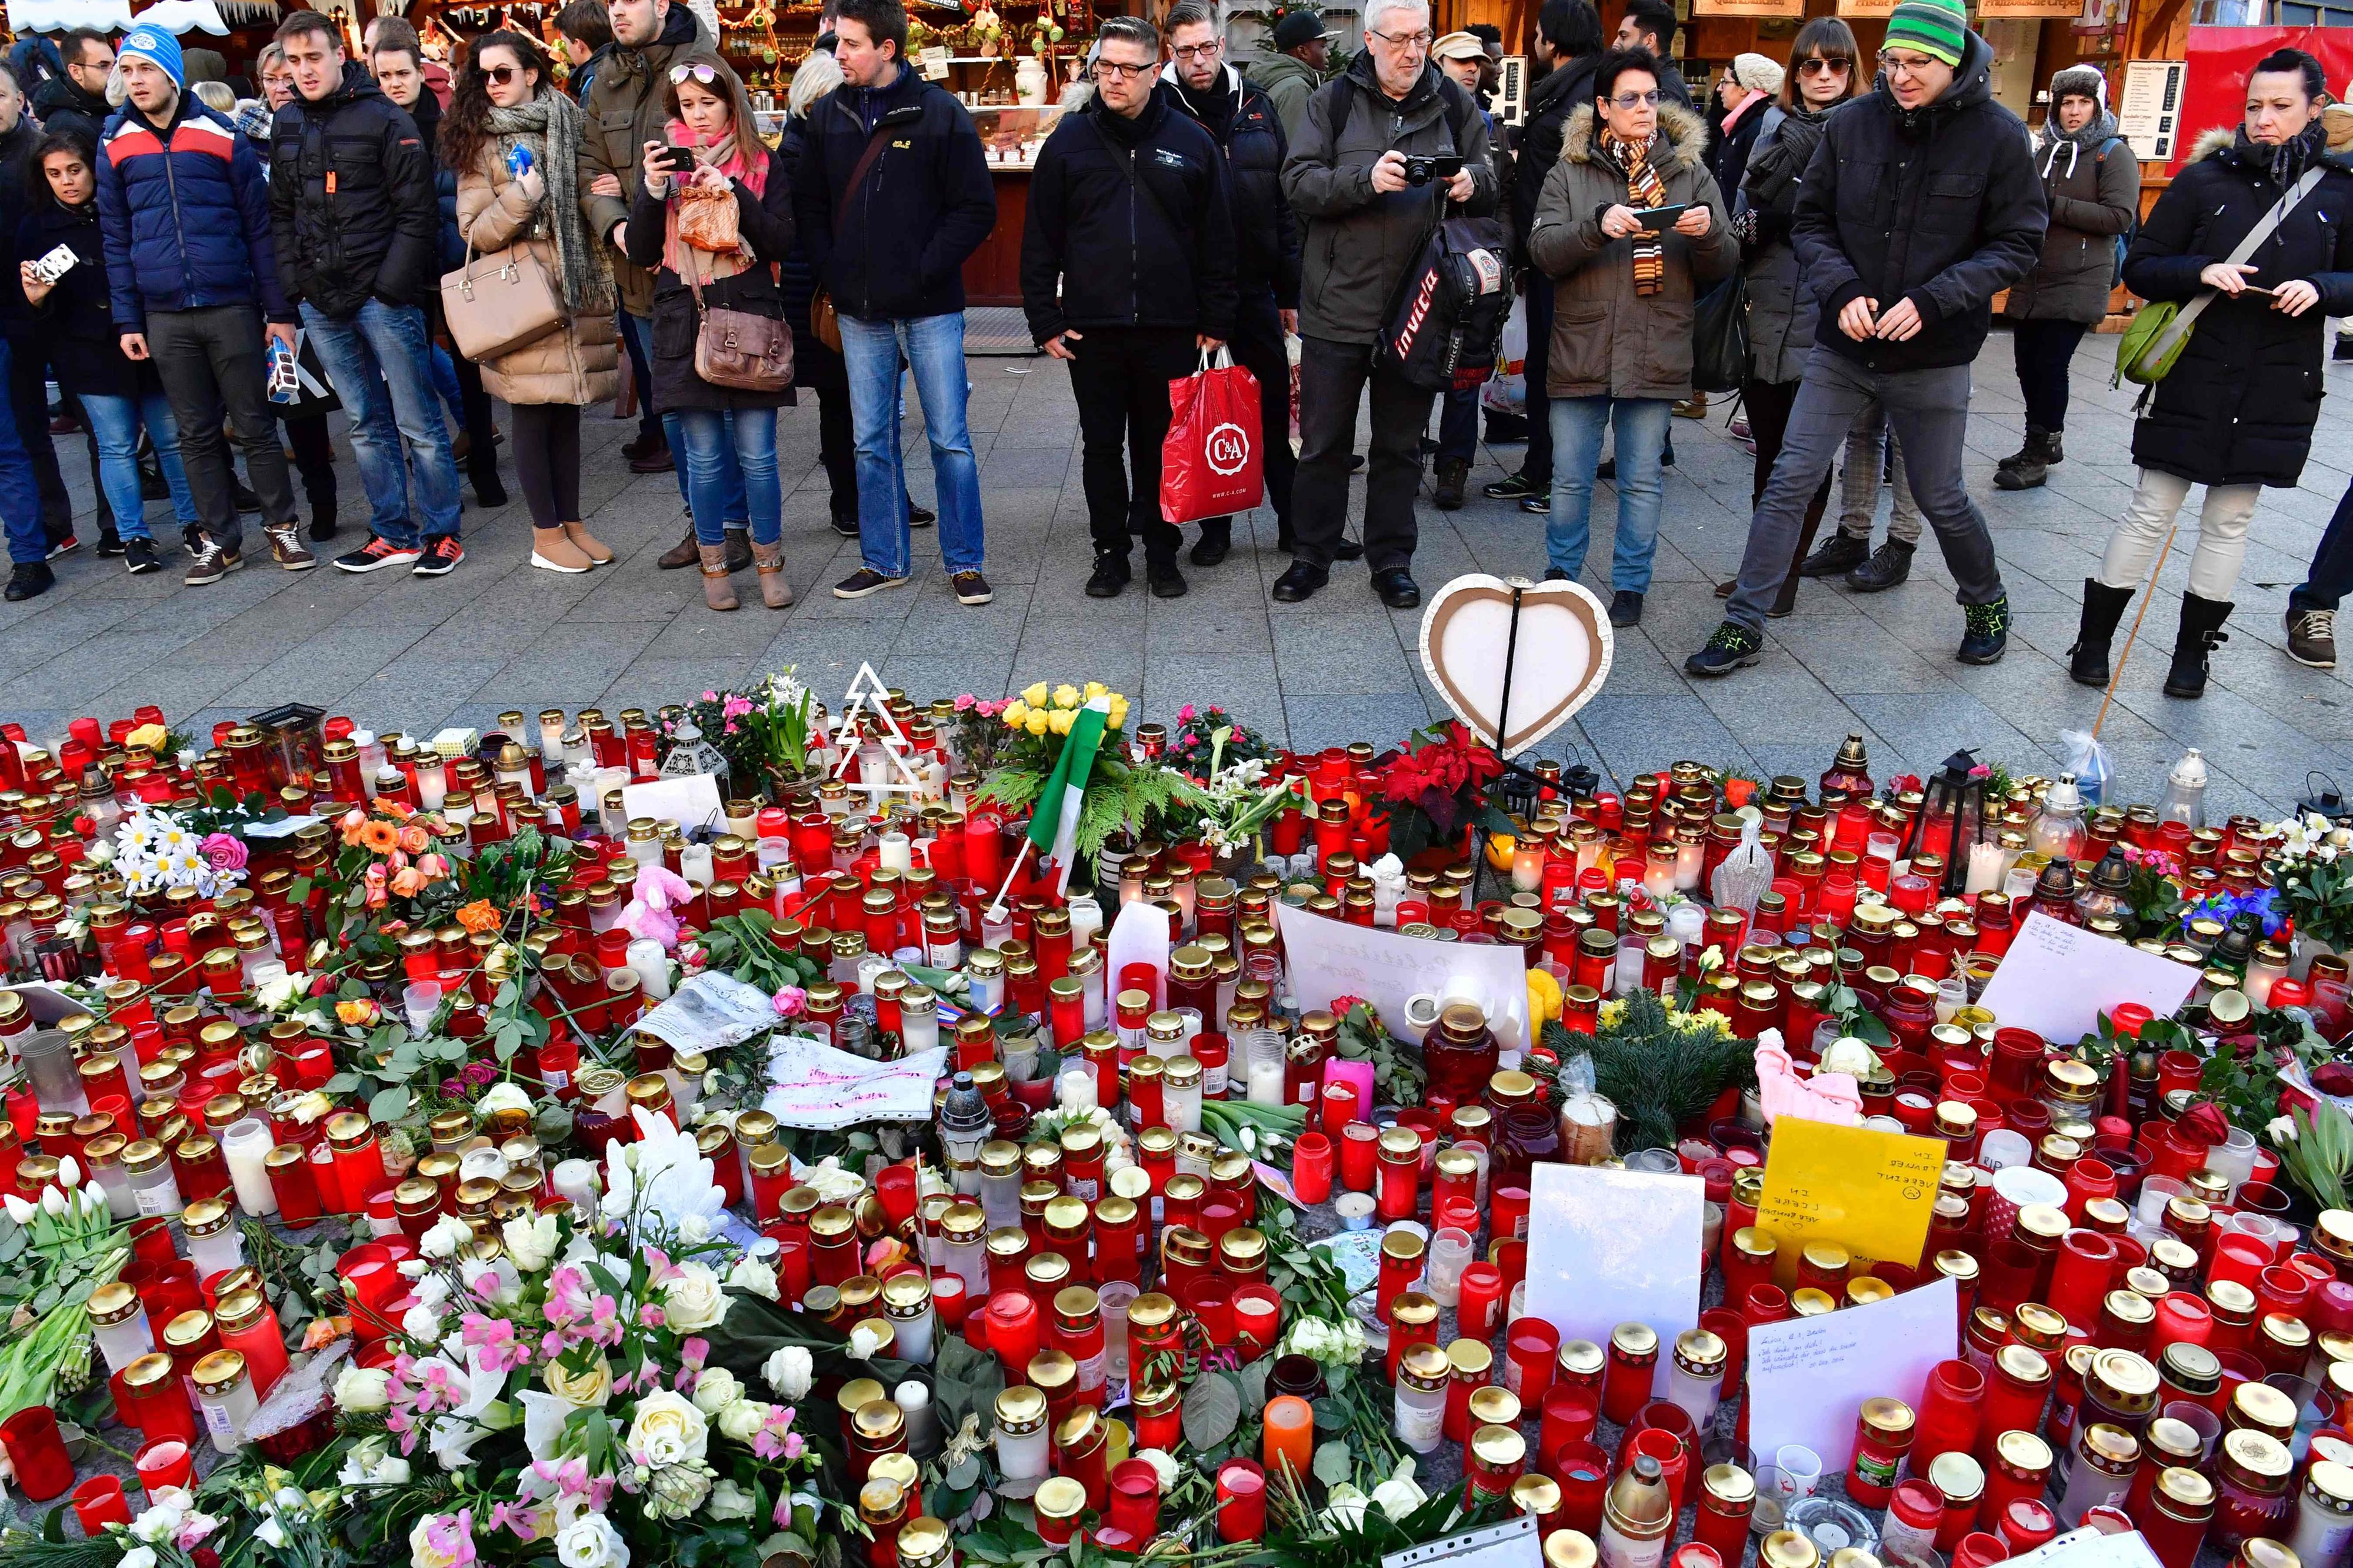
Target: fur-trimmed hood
column 1685, row 134
column 2223, row 137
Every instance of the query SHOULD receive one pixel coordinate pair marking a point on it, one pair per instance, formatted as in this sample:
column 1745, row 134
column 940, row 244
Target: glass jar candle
column 2255, row 1471
column 152, row 1182
column 1181, row 1094
column 2324, row 1520
column 118, row 1321
column 1419, row 1416
column 224, row 1393
column 1884, row 1431
column 2016, row 1392
column 1625, row 1388
column 1908, row 1534
column 210, row 1229
column 1695, row 1380
column 2180, row 1512
column 1399, row 1193
column 1020, row 1436
column 1728, row 1498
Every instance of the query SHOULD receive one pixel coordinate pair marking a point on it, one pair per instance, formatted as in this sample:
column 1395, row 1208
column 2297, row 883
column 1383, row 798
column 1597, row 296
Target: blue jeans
column 1578, row 426
column 20, row 500
column 444, row 382
column 114, row 423
column 934, row 346
column 380, row 362
column 641, row 332
column 730, row 453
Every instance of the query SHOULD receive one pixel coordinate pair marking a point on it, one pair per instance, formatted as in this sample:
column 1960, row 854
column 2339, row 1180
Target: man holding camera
column 1384, row 149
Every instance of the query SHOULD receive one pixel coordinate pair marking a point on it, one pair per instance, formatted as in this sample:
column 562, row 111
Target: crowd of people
column 233, row 272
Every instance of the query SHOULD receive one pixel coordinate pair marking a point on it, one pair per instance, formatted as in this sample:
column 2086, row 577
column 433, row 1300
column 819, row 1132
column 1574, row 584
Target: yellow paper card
column 1870, row 1192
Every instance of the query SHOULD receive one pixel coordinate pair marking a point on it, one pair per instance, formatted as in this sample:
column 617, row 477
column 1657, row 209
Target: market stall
column 1001, row 1131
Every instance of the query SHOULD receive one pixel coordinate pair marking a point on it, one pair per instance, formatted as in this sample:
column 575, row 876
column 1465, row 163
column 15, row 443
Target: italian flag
column 1054, row 825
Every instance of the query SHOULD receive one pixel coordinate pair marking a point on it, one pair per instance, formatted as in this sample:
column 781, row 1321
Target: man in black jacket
column 1127, row 269
column 355, row 218
column 1920, row 205
column 76, row 101
column 1650, row 25
column 1242, row 120
column 892, row 197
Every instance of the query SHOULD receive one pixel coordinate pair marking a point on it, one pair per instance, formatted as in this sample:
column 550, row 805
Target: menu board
column 2149, row 112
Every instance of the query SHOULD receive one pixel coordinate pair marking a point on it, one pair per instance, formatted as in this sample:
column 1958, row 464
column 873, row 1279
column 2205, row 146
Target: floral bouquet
column 1205, row 736
column 2313, row 875
column 764, row 734
column 156, row 849
column 390, row 851
column 1134, row 796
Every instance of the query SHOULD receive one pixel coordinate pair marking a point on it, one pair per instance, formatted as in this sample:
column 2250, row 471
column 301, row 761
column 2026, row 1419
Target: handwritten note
column 1870, row 1192
column 1331, row 958
column 1807, row 1376
column 710, row 1013
column 813, row 1085
column 2057, row 979
column 1610, row 1247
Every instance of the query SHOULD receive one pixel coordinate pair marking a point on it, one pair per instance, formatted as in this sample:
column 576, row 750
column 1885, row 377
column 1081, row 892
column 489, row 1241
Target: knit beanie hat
column 1937, row 29
column 157, row 47
column 1758, row 73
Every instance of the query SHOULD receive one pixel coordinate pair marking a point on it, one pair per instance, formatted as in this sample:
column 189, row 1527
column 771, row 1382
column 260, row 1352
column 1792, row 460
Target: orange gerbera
column 478, row 916
column 379, row 838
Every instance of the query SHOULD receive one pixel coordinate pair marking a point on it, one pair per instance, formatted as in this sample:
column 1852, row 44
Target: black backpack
column 1444, row 329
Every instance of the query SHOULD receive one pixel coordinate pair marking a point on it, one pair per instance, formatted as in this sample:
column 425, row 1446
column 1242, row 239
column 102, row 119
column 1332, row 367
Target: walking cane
column 2118, row 672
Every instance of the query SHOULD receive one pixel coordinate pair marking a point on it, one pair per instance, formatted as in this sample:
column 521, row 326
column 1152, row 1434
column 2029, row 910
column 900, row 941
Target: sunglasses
column 1822, row 65
column 502, row 74
column 705, row 74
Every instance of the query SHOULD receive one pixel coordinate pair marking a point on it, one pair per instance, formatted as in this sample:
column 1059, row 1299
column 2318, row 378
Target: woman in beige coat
column 513, row 140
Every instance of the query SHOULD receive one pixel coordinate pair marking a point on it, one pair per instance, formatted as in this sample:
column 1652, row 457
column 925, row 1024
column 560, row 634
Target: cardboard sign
column 1870, row 1192
column 1330, row 958
column 1610, row 1246
column 1807, row 1376
column 2057, row 979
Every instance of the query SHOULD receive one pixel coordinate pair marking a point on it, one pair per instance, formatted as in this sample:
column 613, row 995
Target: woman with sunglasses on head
column 1781, row 308
column 711, row 124
column 513, row 140
column 2092, row 181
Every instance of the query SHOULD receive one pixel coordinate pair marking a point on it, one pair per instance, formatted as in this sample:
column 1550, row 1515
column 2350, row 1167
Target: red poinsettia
column 1442, row 779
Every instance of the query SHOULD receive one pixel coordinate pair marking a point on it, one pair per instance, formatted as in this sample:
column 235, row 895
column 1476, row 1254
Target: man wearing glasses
column 1920, row 205
column 1350, row 178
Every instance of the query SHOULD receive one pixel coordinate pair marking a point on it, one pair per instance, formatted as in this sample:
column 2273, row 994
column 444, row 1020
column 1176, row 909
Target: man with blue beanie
column 185, row 212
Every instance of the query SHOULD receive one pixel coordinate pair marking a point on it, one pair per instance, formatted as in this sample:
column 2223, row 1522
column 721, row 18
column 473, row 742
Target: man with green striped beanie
column 1920, row 206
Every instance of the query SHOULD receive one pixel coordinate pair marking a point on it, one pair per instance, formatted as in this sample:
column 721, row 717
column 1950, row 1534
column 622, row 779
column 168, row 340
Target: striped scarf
column 1643, row 189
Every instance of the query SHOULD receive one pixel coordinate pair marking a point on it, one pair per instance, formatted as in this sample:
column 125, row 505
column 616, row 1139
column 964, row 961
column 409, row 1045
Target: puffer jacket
column 623, row 110
column 65, row 105
column 766, row 222
column 581, row 363
column 185, row 216
column 1288, row 82
column 1266, row 231
column 1939, row 206
column 352, row 202
column 2094, row 192
column 1607, row 339
column 1360, row 242
column 1780, row 307
column 2239, row 406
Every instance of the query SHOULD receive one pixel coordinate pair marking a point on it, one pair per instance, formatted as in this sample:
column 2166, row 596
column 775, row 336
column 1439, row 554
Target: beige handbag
column 499, row 303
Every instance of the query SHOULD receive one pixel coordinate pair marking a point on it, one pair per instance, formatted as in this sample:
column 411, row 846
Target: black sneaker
column 64, row 546
column 30, row 580
column 212, row 563
column 920, row 517
column 110, row 542
column 2312, row 638
column 1165, row 580
column 971, row 588
column 1515, row 487
column 1625, row 608
column 1987, row 632
column 1109, row 576
column 1538, row 506
column 864, row 581
column 376, row 553
column 139, row 557
column 1732, row 648
column 442, row 554
column 846, row 526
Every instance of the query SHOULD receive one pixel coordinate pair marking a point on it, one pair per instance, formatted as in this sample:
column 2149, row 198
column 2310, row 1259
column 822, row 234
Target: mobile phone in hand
column 677, row 160
column 1660, row 218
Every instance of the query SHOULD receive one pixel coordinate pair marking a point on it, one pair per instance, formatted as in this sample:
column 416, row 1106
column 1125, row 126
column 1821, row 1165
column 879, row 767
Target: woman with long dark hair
column 513, row 140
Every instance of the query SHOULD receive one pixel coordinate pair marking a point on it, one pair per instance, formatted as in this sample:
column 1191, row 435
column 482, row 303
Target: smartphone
column 56, row 263
column 678, row 160
column 2257, row 289
column 1660, row 218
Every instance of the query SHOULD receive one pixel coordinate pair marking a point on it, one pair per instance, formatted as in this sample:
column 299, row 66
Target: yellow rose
column 585, row 1390
column 151, row 736
column 1097, row 688
column 1017, row 712
column 1035, row 695
column 1118, row 710
column 1059, row 720
column 1036, row 722
column 1066, row 696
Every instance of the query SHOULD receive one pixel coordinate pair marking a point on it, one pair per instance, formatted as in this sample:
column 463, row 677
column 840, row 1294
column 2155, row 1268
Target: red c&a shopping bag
column 1211, row 465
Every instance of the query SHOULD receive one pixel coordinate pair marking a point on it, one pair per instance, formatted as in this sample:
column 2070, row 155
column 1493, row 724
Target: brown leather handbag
column 824, row 321
column 740, row 350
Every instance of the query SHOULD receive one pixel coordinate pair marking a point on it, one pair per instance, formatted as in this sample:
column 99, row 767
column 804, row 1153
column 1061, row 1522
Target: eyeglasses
column 1117, row 72
column 1821, row 65
column 1906, row 65
column 705, row 74
column 501, row 74
column 1208, row 51
column 1637, row 100
column 1420, row 40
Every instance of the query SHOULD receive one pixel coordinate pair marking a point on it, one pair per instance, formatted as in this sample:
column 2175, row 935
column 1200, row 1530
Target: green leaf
column 963, row 1473
column 390, row 1104
column 1213, row 1408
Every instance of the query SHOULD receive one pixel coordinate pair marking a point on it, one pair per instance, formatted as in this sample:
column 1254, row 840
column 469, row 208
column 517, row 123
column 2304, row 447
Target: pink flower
column 1185, row 714
column 710, row 697
column 736, row 707
column 963, row 703
column 789, row 1001
column 451, row 1537
column 225, row 852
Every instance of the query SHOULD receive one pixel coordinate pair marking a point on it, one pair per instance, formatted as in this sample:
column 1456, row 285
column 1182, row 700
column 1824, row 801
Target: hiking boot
column 440, row 557
column 1216, row 541
column 1625, row 608
column 375, row 555
column 1163, row 578
column 682, row 554
column 717, row 592
column 212, row 563
column 552, row 552
column 1109, row 577
column 1890, row 565
column 2199, row 634
column 864, row 581
column 30, row 580
column 2312, row 638
column 286, row 546
column 1452, row 477
column 776, row 588
column 139, row 557
column 2028, row 468
column 1986, row 633
column 971, row 588
column 2087, row 660
column 1515, row 487
column 1839, row 555
column 1733, row 647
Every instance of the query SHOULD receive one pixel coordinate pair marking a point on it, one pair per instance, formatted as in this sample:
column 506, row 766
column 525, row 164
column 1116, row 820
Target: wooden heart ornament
column 1558, row 656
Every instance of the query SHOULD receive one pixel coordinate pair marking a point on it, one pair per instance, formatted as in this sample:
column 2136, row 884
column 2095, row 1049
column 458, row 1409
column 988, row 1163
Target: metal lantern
column 964, row 1124
column 1955, row 811
column 689, row 755
column 296, row 743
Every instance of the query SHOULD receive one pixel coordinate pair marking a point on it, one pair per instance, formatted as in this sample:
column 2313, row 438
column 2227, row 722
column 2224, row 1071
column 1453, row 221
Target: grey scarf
column 548, row 127
column 2075, row 143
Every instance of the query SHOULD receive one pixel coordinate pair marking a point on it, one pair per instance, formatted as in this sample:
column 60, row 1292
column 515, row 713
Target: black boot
column 1216, row 543
column 1450, row 477
column 2201, row 633
column 2027, row 468
column 1841, row 555
column 1890, row 565
column 2087, row 661
column 2024, row 453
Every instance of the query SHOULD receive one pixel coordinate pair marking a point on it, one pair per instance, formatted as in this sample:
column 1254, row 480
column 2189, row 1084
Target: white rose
column 789, row 1372
column 752, row 1274
column 715, row 1390
column 586, row 1390
column 530, row 1241
column 501, row 1096
column 161, row 1520
column 693, row 1300
column 668, row 1430
column 729, row 1501
column 1164, row 1464
column 741, row 1421
column 139, row 1557
column 863, row 1343
column 269, row 1532
column 693, row 1229
column 362, row 1389
column 591, row 1542
column 448, row 1234
column 677, row 1491
column 421, row 1323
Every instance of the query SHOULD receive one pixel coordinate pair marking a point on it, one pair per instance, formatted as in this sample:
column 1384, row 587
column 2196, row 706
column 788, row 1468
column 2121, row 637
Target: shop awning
column 213, row 16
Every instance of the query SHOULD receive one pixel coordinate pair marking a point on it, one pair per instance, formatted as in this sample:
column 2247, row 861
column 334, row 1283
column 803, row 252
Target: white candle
column 575, row 1182
column 1076, row 1090
column 1984, row 868
column 432, row 781
column 482, row 1163
column 646, row 956
column 914, row 1402
column 245, row 1144
column 1086, row 918
column 694, row 865
column 919, row 1019
column 896, row 851
column 1266, row 1080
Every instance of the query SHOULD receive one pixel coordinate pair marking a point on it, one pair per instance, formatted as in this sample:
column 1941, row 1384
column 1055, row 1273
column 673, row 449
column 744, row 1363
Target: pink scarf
column 726, row 155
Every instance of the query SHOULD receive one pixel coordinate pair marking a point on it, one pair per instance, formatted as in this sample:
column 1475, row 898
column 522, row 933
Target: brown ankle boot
column 588, row 544
column 775, row 590
column 681, row 554
column 717, row 592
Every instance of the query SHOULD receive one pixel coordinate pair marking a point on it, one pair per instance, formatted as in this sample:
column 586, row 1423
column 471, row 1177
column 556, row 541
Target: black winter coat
column 2239, row 406
column 352, row 202
column 448, row 240
column 1134, row 238
column 62, row 105
column 1941, row 207
column 767, row 223
column 1266, row 231
column 1727, row 153
column 927, row 204
column 1557, row 94
column 814, row 366
column 75, row 321
column 17, row 177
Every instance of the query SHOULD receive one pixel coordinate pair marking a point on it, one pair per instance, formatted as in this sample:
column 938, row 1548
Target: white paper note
column 1807, row 1376
column 1610, row 1247
column 2057, row 979
column 691, row 800
column 1330, row 958
column 813, row 1085
column 710, row 1013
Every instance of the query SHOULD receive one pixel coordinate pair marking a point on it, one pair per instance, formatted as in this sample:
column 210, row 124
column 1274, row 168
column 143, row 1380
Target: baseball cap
column 1298, row 27
column 1459, row 46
